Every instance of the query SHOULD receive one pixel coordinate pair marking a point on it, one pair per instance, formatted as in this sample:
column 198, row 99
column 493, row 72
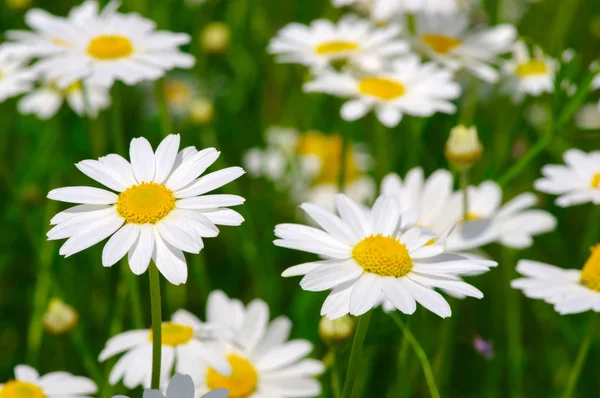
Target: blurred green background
column 534, row 346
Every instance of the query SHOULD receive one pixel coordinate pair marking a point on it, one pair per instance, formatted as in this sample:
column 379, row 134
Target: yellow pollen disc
column 441, row 44
column 383, row 255
column 61, row 42
column 590, row 275
column 241, row 383
column 109, row 47
column 174, row 334
column 596, row 181
column 471, row 216
column 73, row 88
column 532, row 68
column 146, row 203
column 384, row 89
column 336, row 47
column 21, row 389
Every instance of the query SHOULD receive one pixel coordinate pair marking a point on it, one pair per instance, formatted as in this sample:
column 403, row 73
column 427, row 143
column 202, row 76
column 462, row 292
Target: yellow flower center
column 174, row 334
column 336, row 47
column 21, row 389
column 590, row 275
column 110, row 47
column 532, row 68
column 146, row 203
column 73, row 88
column 381, row 88
column 383, row 255
column 177, row 92
column 328, row 149
column 441, row 44
column 596, row 181
column 471, row 216
column 241, row 383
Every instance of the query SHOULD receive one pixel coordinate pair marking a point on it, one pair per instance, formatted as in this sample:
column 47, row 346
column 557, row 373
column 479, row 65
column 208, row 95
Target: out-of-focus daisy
column 409, row 87
column 15, row 77
column 180, row 386
column 375, row 255
column 28, row 383
column 44, row 102
column 448, row 40
column 185, row 346
column 60, row 317
column 588, row 117
column 264, row 363
column 428, row 6
column 160, row 210
column 570, row 291
column 323, row 43
column 577, row 182
column 529, row 75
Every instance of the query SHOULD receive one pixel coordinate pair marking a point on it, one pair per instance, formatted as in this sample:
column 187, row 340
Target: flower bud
column 59, row 317
column 336, row 332
column 463, row 148
column 201, row 111
column 215, row 38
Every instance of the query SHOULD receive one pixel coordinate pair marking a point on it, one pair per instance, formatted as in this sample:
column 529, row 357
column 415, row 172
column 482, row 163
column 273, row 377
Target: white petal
column 142, row 159
column 165, row 157
column 191, row 168
column 210, row 182
column 102, row 173
column 26, row 373
column 170, row 261
column 84, row 195
column 210, row 202
column 365, row 294
column 141, row 251
column 330, row 275
column 398, row 295
column 119, row 244
column 429, row 299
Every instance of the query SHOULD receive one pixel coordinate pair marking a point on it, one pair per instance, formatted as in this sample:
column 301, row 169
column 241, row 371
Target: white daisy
column 324, row 43
column 570, row 291
column 160, row 210
column 184, row 347
column 375, row 255
column 264, row 363
column 29, row 384
column 529, row 75
column 448, row 40
column 409, row 87
column 45, row 101
column 429, row 6
column 15, row 77
column 577, row 182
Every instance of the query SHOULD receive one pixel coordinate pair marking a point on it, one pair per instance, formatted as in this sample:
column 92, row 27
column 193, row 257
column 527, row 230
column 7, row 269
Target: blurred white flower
column 577, row 182
column 447, row 39
column 408, row 87
column 383, row 9
column 263, row 362
column 186, row 344
column 374, row 255
column 161, row 200
column 15, row 77
column 59, row 317
column 352, row 41
column 180, row 386
column 28, row 383
column 570, row 291
column 529, row 75
column 588, row 117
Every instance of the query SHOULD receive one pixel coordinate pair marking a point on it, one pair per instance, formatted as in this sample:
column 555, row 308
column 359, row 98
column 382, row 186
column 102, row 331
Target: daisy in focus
column 409, row 87
column 570, row 291
column 529, row 75
column 159, row 211
column 264, row 362
column 577, row 182
column 29, row 384
column 15, row 77
column 185, row 346
column 373, row 255
column 351, row 41
column 447, row 39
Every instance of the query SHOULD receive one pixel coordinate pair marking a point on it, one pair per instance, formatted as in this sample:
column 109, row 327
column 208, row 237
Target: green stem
column 156, row 325
column 581, row 356
column 464, row 187
column 433, row 391
column 356, row 353
column 518, row 167
column 163, row 108
column 513, row 324
column 335, row 375
column 382, row 166
column 343, row 157
column 89, row 362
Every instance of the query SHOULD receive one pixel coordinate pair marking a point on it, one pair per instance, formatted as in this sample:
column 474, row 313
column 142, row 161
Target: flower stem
column 464, row 187
column 433, row 391
column 581, row 356
column 156, row 325
column 163, row 109
column 343, row 157
column 356, row 353
column 335, row 374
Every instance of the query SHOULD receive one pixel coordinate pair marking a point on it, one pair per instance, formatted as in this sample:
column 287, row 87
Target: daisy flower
column 570, row 291
column 529, row 75
column 15, row 77
column 263, row 362
column 577, row 182
column 324, row 44
column 28, row 383
column 448, row 40
column 373, row 255
column 409, row 87
column 45, row 101
column 158, row 212
column 429, row 6
column 184, row 347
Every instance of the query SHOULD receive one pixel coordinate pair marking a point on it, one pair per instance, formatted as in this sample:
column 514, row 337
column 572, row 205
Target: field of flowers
column 302, row 198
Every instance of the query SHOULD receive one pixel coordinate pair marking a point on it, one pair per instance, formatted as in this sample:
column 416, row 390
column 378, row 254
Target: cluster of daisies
column 76, row 59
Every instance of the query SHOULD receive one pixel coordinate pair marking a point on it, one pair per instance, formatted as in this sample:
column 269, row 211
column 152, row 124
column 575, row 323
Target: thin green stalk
column 382, row 148
column 89, row 362
column 97, row 132
column 464, row 187
column 163, row 108
column 519, row 166
column 513, row 324
column 117, row 121
column 360, row 334
column 581, row 356
column 335, row 375
column 433, row 391
column 156, row 325
column 343, row 157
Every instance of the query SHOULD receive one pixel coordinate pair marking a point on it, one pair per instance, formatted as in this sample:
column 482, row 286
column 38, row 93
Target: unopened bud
column 463, row 147
column 202, row 111
column 59, row 317
column 336, row 332
column 215, row 38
